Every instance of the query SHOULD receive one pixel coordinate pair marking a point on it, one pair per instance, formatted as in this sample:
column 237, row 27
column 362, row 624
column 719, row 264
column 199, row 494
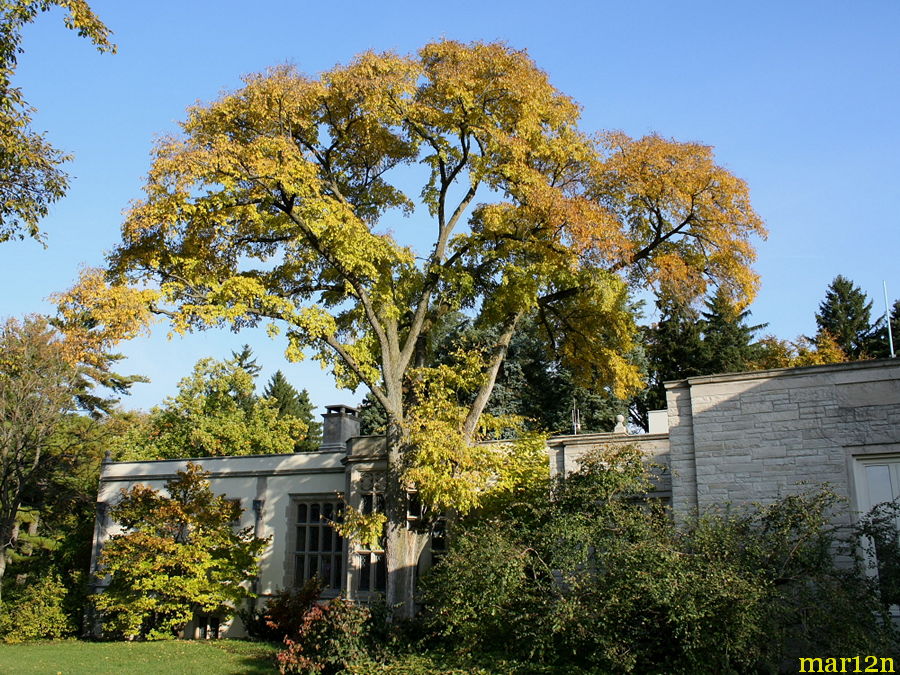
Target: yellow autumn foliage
column 278, row 204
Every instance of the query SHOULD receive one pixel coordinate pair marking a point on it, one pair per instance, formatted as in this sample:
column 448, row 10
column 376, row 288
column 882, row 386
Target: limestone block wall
column 753, row 436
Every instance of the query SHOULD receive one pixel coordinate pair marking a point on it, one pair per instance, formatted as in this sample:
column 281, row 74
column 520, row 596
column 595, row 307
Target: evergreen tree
column 727, row 339
column 686, row 343
column 674, row 350
column 291, row 403
column 534, row 384
column 244, row 360
column 372, row 417
column 879, row 347
column 845, row 315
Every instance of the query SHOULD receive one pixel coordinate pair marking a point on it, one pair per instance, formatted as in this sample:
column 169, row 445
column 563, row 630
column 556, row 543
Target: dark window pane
column 367, row 504
column 314, row 513
column 314, row 539
column 338, row 542
column 328, row 511
column 380, row 573
column 299, row 572
column 301, row 513
column 301, row 538
column 313, row 567
column 414, row 506
column 439, row 537
column 379, row 503
column 365, row 569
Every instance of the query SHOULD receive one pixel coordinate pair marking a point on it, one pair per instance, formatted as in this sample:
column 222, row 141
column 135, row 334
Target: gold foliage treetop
column 278, row 204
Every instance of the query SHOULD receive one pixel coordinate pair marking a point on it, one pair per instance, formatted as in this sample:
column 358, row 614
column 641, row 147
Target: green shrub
column 36, row 613
column 596, row 575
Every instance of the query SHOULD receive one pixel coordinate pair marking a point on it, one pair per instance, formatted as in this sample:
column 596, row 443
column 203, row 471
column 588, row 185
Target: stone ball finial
column 620, row 427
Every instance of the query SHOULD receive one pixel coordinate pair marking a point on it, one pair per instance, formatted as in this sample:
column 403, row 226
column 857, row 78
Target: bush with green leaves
column 36, row 612
column 590, row 572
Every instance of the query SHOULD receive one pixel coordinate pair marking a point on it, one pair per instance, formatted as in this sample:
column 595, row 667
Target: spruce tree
column 878, row 346
column 292, row 403
column 727, row 339
column 372, row 418
column 244, row 360
column 845, row 315
column 674, row 349
column 533, row 383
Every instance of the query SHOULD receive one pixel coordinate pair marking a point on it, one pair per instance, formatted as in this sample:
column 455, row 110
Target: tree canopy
column 38, row 385
column 214, row 413
column 46, row 376
column 31, row 177
column 296, row 404
column 277, row 204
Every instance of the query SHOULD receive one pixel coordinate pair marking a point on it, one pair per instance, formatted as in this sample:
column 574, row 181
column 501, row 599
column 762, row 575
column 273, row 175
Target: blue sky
column 798, row 98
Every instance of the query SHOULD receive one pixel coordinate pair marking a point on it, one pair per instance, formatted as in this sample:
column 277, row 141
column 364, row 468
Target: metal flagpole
column 887, row 314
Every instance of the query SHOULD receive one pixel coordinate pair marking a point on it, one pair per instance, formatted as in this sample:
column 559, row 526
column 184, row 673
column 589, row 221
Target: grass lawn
column 71, row 657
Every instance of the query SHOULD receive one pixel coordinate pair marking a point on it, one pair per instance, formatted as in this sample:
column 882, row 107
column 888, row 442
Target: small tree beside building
column 180, row 555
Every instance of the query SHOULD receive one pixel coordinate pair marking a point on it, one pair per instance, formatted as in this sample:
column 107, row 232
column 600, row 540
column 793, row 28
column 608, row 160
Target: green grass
column 72, row 657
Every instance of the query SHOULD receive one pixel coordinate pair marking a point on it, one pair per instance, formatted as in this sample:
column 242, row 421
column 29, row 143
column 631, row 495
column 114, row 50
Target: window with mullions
column 370, row 562
column 319, row 549
column 879, row 483
column 416, row 513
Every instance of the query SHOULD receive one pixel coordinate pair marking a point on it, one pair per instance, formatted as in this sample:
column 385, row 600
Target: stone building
column 738, row 438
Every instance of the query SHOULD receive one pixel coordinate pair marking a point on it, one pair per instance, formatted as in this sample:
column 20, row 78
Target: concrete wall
column 750, row 437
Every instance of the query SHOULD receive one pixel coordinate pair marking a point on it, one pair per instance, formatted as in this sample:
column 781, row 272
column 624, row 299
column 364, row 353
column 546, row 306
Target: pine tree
column 845, row 315
column 292, row 403
column 727, row 339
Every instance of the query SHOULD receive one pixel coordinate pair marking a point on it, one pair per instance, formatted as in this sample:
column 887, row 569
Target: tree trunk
column 403, row 545
column 2, row 571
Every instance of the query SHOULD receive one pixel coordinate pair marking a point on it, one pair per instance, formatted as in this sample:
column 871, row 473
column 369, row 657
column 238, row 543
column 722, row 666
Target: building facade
column 735, row 438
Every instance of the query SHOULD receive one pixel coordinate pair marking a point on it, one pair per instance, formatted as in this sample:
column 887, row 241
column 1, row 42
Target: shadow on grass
column 254, row 658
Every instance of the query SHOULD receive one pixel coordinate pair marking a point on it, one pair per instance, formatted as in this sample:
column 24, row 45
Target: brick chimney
column 340, row 423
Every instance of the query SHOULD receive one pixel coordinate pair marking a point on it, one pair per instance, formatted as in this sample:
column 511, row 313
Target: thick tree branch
column 498, row 354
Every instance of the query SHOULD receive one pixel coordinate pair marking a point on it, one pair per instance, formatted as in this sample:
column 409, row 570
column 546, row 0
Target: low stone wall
column 751, row 437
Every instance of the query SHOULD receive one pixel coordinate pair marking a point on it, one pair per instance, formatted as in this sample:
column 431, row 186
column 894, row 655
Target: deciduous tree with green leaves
column 180, row 554
column 281, row 202
column 30, row 175
column 38, row 386
column 210, row 416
